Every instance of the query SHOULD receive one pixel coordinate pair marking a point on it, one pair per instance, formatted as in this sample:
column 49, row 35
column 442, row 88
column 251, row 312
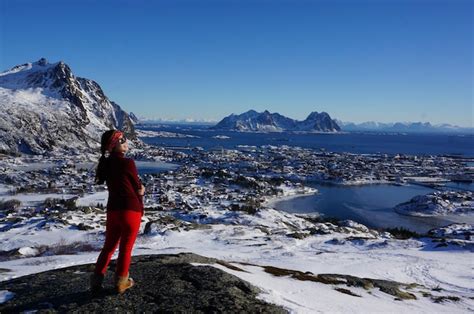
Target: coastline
column 272, row 200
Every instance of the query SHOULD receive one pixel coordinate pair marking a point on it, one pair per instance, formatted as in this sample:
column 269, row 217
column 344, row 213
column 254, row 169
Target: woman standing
column 124, row 209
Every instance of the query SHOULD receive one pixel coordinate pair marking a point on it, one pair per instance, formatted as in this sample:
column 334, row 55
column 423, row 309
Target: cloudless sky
column 386, row 60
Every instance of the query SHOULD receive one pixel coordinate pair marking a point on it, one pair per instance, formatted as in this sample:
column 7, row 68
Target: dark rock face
column 124, row 122
column 133, row 118
column 320, row 122
column 275, row 122
column 165, row 283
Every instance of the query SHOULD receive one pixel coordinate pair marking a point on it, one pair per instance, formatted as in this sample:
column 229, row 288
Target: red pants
column 122, row 226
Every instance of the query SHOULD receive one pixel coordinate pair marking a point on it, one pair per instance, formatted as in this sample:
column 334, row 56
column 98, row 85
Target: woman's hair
column 101, row 172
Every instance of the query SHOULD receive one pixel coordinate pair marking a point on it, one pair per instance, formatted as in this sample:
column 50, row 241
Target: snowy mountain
column 410, row 127
column 134, row 118
column 275, row 122
column 320, row 122
column 45, row 108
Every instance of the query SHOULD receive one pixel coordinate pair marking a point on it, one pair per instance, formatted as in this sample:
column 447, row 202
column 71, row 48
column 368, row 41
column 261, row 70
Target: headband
column 113, row 140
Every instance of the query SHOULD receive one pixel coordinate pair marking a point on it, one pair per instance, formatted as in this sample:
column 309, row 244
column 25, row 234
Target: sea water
column 360, row 143
column 371, row 205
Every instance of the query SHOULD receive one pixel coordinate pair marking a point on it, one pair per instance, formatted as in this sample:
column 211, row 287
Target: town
column 239, row 179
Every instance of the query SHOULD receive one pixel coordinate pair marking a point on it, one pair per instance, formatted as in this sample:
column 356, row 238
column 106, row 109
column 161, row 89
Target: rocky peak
column 318, row 116
column 248, row 114
column 42, row 62
column 312, row 115
column 44, row 96
column 269, row 122
column 266, row 118
column 133, row 118
column 320, row 122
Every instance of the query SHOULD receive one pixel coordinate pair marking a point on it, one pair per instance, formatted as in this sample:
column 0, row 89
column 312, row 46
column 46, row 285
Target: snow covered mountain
column 45, row 108
column 318, row 122
column 275, row 122
column 410, row 127
column 134, row 118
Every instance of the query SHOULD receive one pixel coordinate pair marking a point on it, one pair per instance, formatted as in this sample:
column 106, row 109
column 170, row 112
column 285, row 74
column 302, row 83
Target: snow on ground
column 461, row 231
column 439, row 203
column 32, row 166
column 93, row 199
column 425, row 179
column 30, row 199
column 310, row 297
column 4, row 189
column 288, row 193
column 262, row 240
column 34, row 232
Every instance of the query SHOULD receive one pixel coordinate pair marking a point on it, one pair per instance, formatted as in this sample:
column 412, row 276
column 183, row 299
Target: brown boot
column 123, row 283
column 96, row 282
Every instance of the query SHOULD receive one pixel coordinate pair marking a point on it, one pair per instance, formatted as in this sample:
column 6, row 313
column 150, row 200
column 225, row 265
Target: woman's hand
column 141, row 191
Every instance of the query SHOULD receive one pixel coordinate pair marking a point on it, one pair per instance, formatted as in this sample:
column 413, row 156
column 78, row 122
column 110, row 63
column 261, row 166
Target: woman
column 124, row 209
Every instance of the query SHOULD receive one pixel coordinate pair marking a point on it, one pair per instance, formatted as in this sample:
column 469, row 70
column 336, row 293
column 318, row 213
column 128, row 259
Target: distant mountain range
column 45, row 108
column 156, row 121
column 254, row 121
column 407, row 127
column 371, row 126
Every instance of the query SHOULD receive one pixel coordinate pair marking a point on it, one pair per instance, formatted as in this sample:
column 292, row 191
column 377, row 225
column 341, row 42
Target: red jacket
column 123, row 184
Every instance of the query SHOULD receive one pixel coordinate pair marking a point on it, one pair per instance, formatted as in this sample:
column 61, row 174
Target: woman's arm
column 135, row 180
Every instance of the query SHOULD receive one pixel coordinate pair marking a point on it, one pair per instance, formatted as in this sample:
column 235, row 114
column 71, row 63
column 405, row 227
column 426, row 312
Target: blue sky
column 383, row 60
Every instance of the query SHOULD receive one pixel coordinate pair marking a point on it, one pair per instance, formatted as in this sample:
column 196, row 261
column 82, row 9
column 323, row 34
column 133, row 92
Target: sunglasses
column 122, row 140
